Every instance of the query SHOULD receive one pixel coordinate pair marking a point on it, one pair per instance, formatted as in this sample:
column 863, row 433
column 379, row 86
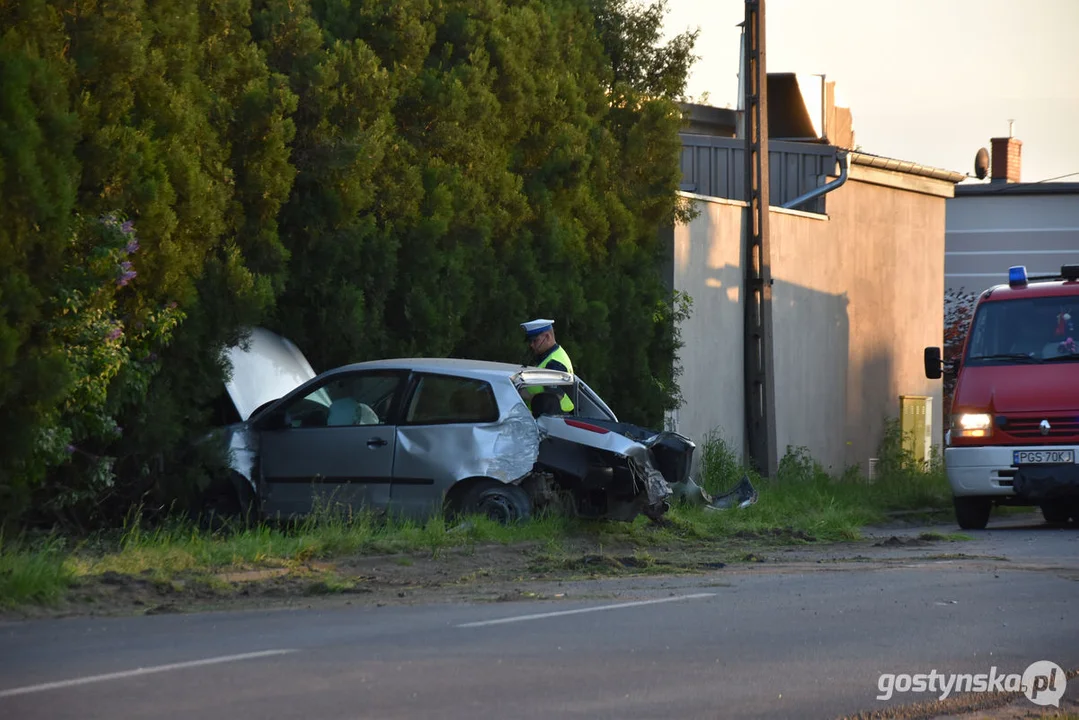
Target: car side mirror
column 934, row 365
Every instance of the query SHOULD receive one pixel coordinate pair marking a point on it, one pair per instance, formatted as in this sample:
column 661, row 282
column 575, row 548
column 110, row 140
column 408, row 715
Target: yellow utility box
column 916, row 423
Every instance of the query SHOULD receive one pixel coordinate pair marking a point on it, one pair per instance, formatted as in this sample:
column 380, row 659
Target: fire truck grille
column 1060, row 428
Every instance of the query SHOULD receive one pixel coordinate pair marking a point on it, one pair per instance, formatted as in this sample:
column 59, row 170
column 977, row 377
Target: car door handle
column 375, row 442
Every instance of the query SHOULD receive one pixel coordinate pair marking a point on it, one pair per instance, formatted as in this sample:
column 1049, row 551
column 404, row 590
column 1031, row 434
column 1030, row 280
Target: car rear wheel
column 500, row 502
column 972, row 513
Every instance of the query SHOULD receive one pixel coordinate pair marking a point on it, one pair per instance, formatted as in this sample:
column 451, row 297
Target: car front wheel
column 972, row 513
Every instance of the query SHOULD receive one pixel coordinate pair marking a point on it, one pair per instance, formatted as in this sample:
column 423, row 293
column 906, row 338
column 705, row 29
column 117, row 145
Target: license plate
column 1042, row 457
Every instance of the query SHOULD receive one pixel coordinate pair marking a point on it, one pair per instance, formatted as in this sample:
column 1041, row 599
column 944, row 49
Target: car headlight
column 974, row 425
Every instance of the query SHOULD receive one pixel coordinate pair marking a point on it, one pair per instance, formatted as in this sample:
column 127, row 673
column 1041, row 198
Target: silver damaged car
column 415, row 437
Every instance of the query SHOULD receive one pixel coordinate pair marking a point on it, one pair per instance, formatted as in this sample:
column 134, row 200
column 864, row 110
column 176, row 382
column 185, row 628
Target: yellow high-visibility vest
column 563, row 357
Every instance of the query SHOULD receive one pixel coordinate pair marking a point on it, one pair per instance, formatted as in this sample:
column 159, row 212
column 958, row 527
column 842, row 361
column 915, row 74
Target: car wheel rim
column 498, row 508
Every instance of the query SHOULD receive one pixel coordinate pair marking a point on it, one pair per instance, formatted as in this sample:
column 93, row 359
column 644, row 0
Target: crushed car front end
column 612, row 470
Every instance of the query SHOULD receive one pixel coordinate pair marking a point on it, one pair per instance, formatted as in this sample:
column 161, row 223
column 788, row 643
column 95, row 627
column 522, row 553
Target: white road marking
column 540, row 616
column 139, row 671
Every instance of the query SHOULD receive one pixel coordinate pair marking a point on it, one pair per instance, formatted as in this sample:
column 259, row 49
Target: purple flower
column 114, row 334
column 171, row 305
column 127, row 227
column 132, row 246
column 126, row 278
column 70, row 449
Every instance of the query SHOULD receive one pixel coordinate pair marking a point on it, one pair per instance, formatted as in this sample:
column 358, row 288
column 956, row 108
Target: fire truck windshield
column 1024, row 330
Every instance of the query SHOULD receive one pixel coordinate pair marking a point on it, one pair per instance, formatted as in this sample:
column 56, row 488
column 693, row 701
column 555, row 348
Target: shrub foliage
column 368, row 178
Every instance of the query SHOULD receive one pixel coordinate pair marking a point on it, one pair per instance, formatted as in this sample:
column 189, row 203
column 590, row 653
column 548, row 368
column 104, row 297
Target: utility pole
column 757, row 300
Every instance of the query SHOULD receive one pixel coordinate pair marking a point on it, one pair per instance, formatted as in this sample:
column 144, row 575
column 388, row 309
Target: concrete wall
column 856, row 297
column 706, row 264
column 989, row 232
column 811, row 326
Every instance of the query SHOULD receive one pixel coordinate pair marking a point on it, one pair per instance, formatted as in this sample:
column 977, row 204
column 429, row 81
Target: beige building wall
column 857, row 295
column 856, row 299
column 707, row 265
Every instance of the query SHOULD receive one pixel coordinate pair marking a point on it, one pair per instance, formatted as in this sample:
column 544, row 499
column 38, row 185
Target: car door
column 448, row 431
column 331, row 445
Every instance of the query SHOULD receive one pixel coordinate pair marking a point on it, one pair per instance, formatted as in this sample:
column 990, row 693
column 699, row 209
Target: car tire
column 1056, row 514
column 220, row 509
column 228, row 504
column 972, row 513
column 505, row 504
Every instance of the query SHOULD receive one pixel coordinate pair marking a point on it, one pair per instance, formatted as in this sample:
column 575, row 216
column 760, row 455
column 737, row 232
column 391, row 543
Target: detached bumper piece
column 740, row 496
column 1042, row 483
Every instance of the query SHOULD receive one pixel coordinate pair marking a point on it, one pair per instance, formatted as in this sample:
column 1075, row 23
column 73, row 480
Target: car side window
column 346, row 400
column 443, row 399
column 588, row 409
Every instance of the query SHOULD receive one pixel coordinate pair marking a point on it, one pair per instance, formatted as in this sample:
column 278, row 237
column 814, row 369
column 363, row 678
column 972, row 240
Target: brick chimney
column 1007, row 152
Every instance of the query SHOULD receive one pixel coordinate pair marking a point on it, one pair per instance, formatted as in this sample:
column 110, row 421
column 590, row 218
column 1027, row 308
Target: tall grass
column 33, row 572
column 179, row 545
column 802, row 502
column 803, row 496
column 41, row 572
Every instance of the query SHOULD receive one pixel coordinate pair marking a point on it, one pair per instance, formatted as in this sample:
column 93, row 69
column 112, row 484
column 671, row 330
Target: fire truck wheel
column 972, row 513
column 1056, row 514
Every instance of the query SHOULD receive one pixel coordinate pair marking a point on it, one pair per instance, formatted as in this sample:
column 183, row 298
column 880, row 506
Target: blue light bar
column 1017, row 275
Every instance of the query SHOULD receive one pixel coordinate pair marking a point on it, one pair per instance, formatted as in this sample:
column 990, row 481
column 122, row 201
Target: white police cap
column 536, row 327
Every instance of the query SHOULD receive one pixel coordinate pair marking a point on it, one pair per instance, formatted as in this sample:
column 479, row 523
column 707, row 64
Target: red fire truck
column 1013, row 434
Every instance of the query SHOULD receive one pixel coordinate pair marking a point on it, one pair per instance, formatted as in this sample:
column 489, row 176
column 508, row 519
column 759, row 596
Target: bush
column 313, row 167
column 109, row 344
column 902, row 481
column 720, row 465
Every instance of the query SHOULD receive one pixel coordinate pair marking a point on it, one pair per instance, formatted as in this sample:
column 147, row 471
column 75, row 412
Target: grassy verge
column 802, row 504
column 804, row 497
column 37, row 573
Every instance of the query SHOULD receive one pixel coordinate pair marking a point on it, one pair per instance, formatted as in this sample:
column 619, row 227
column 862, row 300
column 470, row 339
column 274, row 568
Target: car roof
column 465, row 367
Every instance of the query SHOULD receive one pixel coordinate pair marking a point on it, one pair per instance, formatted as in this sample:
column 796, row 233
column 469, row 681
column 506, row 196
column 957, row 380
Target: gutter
column 844, row 167
column 909, row 168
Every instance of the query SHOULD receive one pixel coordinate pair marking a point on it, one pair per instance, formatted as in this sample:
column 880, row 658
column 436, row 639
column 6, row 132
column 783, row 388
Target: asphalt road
column 804, row 640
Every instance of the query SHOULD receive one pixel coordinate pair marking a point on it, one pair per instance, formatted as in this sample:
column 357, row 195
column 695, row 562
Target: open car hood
column 269, row 367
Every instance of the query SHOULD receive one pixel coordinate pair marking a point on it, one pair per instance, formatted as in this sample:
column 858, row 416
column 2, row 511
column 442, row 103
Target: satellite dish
column 981, row 163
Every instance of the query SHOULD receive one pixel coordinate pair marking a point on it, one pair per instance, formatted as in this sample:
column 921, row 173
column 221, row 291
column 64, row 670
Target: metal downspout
column 844, row 167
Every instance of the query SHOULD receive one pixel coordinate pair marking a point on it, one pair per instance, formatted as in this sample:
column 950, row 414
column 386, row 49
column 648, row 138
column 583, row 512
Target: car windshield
column 1024, row 331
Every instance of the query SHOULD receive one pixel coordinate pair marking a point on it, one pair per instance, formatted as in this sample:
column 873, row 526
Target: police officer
column 548, row 354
